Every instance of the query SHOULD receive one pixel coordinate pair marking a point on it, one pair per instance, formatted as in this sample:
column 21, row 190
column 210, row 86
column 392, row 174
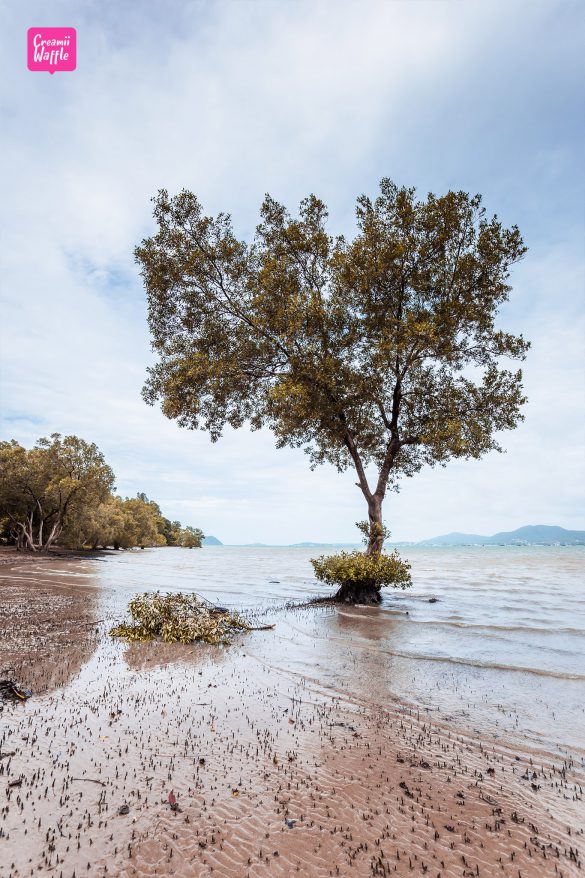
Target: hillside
column 534, row 534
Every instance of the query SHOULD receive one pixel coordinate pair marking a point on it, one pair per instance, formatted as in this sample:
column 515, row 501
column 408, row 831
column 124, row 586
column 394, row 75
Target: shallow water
column 502, row 648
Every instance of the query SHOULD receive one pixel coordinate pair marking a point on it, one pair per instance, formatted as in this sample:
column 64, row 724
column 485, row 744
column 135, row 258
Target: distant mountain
column 534, row 534
column 540, row 533
column 455, row 539
column 212, row 541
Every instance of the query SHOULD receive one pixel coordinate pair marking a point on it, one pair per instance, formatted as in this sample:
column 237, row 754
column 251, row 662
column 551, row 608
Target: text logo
column 52, row 48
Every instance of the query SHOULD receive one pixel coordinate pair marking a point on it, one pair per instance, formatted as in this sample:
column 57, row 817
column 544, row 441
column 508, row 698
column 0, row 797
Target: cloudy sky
column 234, row 99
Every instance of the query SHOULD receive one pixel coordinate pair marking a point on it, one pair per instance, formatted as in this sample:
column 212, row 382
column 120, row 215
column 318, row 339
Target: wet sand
column 47, row 631
column 273, row 774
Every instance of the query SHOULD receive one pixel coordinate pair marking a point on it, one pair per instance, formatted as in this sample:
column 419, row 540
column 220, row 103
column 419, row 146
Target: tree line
column 61, row 492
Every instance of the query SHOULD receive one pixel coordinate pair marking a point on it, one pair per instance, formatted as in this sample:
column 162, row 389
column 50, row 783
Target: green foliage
column 191, row 537
column 177, row 618
column 127, row 523
column 359, row 569
column 117, row 522
column 312, row 335
column 61, row 491
column 44, row 487
column 369, row 532
column 381, row 350
column 171, row 531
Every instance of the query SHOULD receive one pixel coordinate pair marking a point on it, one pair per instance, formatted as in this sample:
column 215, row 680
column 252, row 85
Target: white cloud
column 233, row 99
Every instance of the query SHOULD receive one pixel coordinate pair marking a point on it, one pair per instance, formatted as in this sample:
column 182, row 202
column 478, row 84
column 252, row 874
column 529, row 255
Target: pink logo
column 52, row 48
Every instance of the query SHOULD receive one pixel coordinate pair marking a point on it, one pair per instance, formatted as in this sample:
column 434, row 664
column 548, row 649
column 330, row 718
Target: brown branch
column 392, row 450
column 355, row 456
column 384, row 415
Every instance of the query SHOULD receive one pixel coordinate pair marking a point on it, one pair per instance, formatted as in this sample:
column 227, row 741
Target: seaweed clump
column 178, row 618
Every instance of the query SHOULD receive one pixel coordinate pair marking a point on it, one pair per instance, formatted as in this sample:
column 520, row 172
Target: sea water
column 492, row 638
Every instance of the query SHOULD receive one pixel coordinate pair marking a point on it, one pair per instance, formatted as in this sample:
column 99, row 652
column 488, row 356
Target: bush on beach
column 178, row 618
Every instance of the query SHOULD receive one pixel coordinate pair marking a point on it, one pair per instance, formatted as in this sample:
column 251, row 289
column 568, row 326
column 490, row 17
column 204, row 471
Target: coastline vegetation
column 61, row 492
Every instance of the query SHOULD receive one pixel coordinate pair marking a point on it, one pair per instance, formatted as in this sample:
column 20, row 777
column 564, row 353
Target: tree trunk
column 366, row 592
column 376, row 538
column 55, row 531
column 28, row 535
column 358, row 593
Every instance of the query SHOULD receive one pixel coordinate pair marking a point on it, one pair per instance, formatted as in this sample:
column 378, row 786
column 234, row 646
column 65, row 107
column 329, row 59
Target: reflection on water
column 244, row 746
column 522, row 608
column 369, row 623
column 147, row 656
column 47, row 624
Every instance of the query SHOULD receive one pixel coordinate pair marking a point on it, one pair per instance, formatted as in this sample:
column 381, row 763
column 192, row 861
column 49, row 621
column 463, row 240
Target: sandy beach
column 272, row 774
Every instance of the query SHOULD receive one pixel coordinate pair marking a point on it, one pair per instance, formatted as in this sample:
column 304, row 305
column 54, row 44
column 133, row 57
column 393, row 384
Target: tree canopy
column 61, row 491
column 41, row 488
column 381, row 350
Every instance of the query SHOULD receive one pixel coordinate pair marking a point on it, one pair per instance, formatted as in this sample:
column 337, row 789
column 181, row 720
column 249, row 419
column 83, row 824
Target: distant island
column 212, row 541
column 534, row 534
column 530, row 535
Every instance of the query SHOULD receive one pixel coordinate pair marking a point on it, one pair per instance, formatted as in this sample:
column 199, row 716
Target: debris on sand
column 172, row 801
column 10, row 690
column 178, row 618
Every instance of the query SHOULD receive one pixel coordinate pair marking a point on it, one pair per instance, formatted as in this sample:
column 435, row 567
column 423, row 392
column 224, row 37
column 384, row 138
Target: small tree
column 191, row 537
column 361, row 575
column 171, row 530
column 381, row 351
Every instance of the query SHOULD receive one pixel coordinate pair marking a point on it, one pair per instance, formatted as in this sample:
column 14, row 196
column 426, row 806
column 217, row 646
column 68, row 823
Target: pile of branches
column 178, row 618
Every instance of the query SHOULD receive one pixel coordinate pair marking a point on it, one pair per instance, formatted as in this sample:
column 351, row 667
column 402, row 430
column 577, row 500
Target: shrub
column 360, row 572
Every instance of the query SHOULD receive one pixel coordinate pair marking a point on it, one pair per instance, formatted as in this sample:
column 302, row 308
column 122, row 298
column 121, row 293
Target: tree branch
column 355, row 456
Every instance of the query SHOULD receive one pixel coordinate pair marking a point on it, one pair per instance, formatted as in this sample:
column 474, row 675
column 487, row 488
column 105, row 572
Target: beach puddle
column 49, row 622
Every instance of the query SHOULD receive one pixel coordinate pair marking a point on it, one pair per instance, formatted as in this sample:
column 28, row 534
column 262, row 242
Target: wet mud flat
column 151, row 759
column 48, row 628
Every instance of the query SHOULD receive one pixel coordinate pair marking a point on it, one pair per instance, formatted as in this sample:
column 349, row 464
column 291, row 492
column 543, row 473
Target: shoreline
column 9, row 556
column 371, row 789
